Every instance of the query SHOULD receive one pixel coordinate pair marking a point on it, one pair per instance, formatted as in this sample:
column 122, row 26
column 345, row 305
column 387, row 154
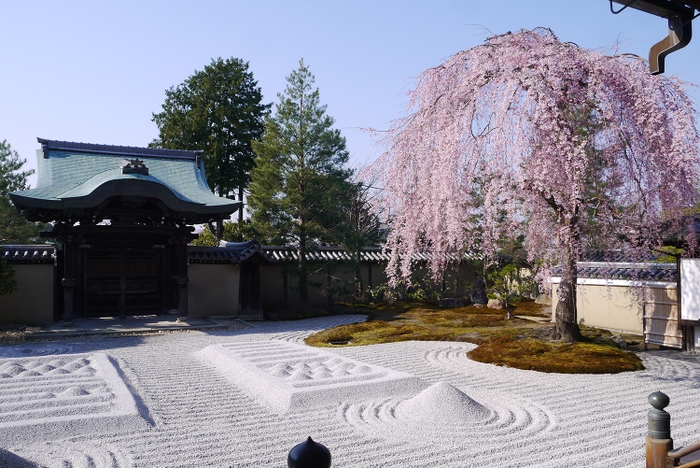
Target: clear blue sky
column 94, row 71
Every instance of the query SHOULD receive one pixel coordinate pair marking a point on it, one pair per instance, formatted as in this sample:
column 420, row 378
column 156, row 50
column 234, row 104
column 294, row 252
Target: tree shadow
column 68, row 345
column 11, row 460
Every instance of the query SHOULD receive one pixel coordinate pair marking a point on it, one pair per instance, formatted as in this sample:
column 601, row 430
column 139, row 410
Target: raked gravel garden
column 243, row 396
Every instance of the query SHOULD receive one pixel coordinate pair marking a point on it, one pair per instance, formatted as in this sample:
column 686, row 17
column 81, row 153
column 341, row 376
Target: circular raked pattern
column 68, row 454
column 36, row 349
column 445, row 411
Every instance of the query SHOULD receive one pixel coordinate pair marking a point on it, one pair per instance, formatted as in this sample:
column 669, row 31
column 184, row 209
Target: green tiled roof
column 76, row 177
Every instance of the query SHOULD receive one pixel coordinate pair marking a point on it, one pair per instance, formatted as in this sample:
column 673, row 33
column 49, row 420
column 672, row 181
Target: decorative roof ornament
column 134, row 166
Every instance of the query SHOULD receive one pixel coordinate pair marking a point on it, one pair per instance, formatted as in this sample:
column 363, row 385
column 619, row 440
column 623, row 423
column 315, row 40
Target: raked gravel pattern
column 466, row 414
column 45, row 397
column 296, row 376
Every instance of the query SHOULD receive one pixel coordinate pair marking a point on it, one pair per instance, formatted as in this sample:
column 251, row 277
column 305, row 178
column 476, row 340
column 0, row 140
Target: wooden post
column 179, row 243
column 658, row 440
column 182, row 280
column 68, row 281
column 122, row 283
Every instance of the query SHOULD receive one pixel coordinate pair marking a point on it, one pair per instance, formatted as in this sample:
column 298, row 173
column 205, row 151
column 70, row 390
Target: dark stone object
column 620, row 341
column 309, row 454
column 478, row 292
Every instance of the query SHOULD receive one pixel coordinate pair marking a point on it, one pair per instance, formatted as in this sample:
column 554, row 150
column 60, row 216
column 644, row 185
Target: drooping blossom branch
column 581, row 147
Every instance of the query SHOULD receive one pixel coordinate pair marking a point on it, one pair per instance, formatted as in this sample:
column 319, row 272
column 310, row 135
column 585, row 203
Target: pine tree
column 14, row 228
column 299, row 184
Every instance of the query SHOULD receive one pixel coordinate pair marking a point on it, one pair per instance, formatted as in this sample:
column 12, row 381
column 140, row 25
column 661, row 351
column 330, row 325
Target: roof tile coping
column 18, row 254
column 93, row 148
column 640, row 271
column 227, row 252
column 628, row 265
column 338, row 254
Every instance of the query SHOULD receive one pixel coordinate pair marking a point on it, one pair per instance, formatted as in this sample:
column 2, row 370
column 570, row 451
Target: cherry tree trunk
column 566, row 327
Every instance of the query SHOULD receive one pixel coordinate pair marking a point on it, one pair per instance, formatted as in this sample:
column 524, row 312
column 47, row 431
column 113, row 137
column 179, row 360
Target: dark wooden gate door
column 249, row 289
column 121, row 282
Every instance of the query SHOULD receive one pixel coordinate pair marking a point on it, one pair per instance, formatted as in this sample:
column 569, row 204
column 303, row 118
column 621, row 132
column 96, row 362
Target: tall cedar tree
column 14, row 228
column 299, row 184
column 590, row 148
column 218, row 110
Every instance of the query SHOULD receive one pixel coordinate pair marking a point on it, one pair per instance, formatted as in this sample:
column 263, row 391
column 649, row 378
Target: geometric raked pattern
column 286, row 376
column 49, row 397
column 446, row 412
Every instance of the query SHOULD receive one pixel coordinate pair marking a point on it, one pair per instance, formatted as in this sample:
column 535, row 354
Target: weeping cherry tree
column 583, row 149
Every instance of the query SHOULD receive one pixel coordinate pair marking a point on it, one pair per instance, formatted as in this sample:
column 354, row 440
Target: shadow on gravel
column 72, row 345
column 10, row 460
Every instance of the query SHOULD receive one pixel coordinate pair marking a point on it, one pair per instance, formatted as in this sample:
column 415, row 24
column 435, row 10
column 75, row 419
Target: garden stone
column 495, row 304
column 619, row 341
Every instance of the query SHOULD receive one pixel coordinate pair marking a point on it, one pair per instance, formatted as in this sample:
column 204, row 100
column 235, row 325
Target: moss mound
column 517, row 343
column 564, row 358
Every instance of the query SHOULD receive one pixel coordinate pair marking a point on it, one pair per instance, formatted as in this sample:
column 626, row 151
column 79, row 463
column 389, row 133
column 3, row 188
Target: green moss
column 529, row 308
column 515, row 343
column 565, row 358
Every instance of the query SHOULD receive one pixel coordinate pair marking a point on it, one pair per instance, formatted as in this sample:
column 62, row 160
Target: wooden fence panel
column 662, row 318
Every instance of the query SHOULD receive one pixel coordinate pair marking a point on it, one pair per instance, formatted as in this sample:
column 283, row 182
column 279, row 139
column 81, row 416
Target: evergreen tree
column 299, row 184
column 218, row 110
column 14, row 228
column 232, row 232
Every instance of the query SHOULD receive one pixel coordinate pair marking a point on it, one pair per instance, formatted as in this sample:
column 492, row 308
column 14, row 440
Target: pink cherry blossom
column 588, row 148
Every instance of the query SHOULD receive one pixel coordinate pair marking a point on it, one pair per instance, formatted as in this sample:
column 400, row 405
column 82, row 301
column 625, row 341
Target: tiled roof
column 81, row 176
column 228, row 252
column 28, row 253
column 236, row 252
column 338, row 254
column 665, row 272
column 621, row 265
column 324, row 254
column 131, row 151
column 614, row 256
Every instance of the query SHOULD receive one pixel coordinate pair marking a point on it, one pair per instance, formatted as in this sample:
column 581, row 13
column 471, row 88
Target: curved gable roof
column 79, row 177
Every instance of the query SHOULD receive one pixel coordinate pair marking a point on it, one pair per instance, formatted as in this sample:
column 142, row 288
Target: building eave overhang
column 124, row 189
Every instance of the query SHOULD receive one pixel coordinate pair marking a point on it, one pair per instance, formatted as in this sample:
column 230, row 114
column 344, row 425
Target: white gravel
column 164, row 401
